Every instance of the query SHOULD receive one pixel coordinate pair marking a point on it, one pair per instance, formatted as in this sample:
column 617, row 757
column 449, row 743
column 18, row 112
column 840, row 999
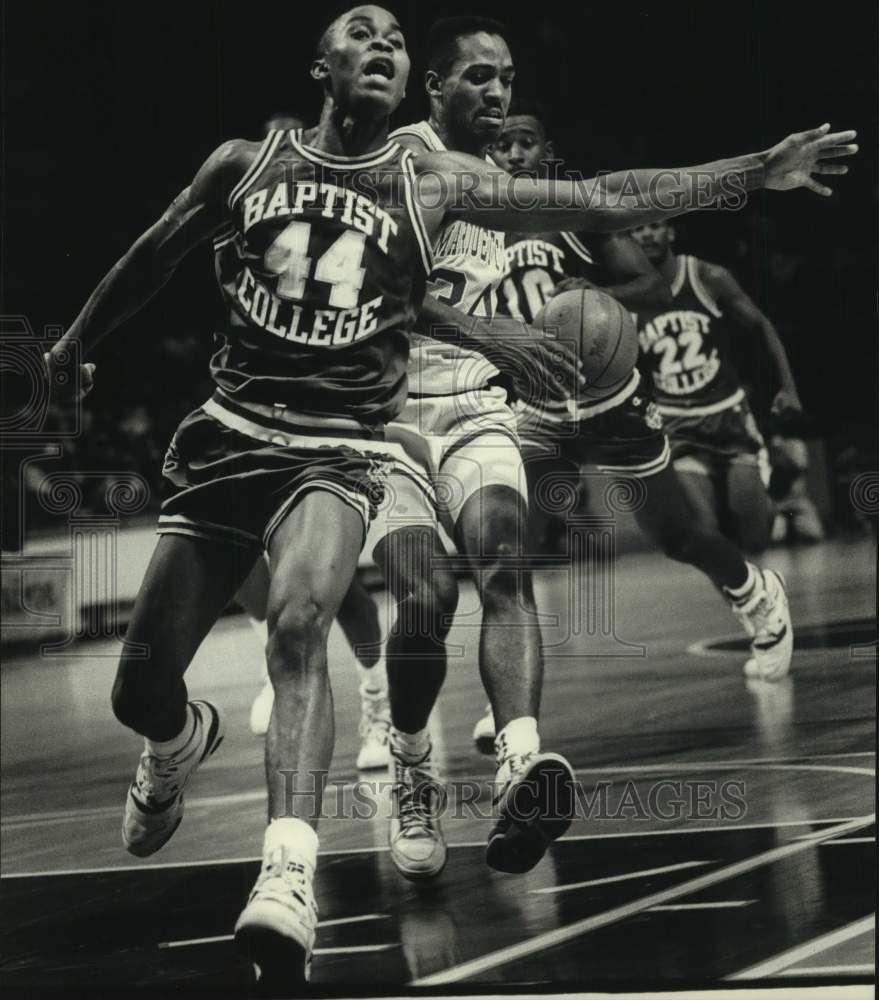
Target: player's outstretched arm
column 191, row 218
column 737, row 304
column 465, row 187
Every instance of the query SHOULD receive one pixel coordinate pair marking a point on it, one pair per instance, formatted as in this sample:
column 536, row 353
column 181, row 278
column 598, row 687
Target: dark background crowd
column 110, row 109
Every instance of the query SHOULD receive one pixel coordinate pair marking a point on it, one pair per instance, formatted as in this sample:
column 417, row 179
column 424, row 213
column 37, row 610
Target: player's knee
column 501, row 578
column 296, row 629
column 429, row 606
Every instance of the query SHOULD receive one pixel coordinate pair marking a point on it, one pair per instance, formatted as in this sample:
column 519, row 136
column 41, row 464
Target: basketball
column 601, row 330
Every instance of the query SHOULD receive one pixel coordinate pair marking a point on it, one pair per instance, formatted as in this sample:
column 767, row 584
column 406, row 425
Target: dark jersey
column 535, row 265
column 685, row 349
column 322, row 268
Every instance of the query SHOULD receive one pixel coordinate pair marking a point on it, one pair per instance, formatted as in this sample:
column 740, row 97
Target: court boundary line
column 384, row 848
column 780, row 962
column 560, row 935
column 622, row 877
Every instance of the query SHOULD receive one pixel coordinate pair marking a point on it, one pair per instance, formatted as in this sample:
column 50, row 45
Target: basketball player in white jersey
column 459, row 427
column 321, row 284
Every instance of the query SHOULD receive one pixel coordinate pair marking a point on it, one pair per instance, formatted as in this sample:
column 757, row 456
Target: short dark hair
column 528, row 106
column 444, row 34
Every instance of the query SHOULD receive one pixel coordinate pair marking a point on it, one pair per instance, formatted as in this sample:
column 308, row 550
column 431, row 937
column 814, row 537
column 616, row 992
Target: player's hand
column 570, row 284
column 62, row 379
column 541, row 368
column 792, row 162
column 787, row 405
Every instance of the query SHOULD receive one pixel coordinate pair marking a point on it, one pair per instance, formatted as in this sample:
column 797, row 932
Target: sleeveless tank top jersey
column 685, row 349
column 468, row 265
column 322, row 267
column 535, row 265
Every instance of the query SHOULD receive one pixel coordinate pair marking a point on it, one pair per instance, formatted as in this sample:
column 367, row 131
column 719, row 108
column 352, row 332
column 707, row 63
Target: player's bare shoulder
column 715, row 277
column 224, row 168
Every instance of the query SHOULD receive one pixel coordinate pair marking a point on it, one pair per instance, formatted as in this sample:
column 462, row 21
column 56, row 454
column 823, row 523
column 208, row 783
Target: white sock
column 297, row 836
column 373, row 680
column 517, row 737
column 167, row 748
column 411, row 748
column 739, row 594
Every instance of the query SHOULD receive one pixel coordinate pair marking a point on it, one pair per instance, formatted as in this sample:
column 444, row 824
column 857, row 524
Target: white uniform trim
column 372, row 159
column 586, row 411
column 409, row 185
column 577, row 247
column 289, row 439
column 266, row 152
column 421, row 130
column 702, row 293
column 646, row 469
column 680, row 275
column 284, row 414
column 702, row 411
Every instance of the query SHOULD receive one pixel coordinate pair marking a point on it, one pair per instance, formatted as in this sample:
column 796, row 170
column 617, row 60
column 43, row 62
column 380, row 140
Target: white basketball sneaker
column 277, row 927
column 484, row 732
column 154, row 804
column 261, row 710
column 375, row 723
column 766, row 618
column 418, row 849
column 537, row 802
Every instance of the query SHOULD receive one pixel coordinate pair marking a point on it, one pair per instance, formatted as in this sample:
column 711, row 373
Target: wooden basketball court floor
column 727, row 831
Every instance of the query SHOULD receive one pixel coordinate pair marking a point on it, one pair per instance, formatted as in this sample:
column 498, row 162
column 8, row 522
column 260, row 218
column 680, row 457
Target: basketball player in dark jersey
column 716, row 448
column 322, row 284
column 624, row 437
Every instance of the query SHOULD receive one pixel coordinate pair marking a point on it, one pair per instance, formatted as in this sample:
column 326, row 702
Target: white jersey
column 469, row 265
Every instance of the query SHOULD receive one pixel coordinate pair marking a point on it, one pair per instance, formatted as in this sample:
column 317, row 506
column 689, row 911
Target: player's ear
column 671, row 232
column 433, row 84
column 548, row 150
column 319, row 69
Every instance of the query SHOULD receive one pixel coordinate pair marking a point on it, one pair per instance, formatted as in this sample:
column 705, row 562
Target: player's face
column 367, row 60
column 477, row 89
column 521, row 147
column 654, row 239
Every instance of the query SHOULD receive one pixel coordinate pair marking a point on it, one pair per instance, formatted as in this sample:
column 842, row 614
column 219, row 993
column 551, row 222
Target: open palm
column 792, row 162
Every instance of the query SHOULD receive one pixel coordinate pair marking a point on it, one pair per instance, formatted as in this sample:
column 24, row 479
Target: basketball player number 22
column 339, row 265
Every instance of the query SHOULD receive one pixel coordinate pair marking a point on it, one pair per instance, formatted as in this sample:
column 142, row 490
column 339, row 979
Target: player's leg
column 750, row 508
column 187, row 584
column 535, row 789
column 695, row 474
column 253, row 596
column 358, row 618
column 313, row 556
column 629, row 440
column 410, row 554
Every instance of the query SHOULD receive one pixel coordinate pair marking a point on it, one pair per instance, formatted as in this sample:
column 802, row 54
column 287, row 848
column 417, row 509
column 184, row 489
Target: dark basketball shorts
column 706, row 442
column 622, row 435
column 234, row 471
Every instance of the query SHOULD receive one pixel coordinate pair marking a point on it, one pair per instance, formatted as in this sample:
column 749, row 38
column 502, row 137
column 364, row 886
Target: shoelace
column 517, row 763
column 155, row 774
column 282, row 877
column 416, row 792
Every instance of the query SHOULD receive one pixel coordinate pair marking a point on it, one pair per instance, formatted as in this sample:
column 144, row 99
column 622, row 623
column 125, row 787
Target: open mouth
column 380, row 66
column 492, row 114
